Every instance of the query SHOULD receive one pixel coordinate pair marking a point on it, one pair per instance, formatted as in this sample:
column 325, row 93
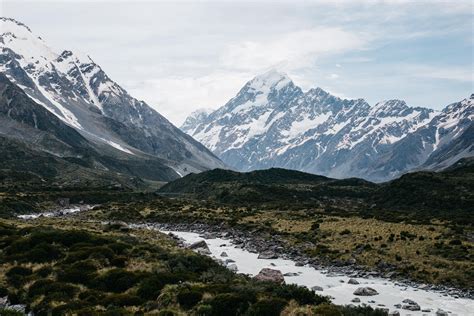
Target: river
column 336, row 286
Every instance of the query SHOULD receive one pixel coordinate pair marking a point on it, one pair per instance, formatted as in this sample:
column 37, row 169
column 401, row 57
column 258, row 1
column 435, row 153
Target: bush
column 80, row 272
column 121, row 300
column 267, row 307
column 150, row 288
column 53, row 290
column 16, row 276
column 187, row 299
column 298, row 293
column 116, row 280
column 327, row 310
column 44, row 271
column 43, row 252
column 229, row 304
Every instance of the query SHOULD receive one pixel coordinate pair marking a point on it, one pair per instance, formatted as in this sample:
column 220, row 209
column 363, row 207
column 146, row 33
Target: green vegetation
column 419, row 226
column 82, row 278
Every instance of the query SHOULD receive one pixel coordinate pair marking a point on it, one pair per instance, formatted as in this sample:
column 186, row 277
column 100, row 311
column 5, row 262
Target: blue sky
column 183, row 55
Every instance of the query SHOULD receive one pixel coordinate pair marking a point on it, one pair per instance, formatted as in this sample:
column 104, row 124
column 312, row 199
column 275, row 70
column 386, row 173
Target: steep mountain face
column 37, row 142
column 77, row 91
column 273, row 123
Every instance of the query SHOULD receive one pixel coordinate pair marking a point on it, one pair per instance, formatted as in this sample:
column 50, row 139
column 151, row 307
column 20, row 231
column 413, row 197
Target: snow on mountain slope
column 272, row 123
column 77, row 90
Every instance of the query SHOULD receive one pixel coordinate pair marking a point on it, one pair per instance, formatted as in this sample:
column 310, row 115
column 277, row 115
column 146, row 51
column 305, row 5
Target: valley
column 333, row 233
column 280, row 201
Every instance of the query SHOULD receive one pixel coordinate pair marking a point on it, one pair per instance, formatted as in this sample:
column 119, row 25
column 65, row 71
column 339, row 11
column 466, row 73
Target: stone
column 224, row 254
column 199, row 244
column 411, row 307
column 203, row 251
column 355, row 300
column 352, row 281
column 271, row 275
column 365, row 291
column 290, row 274
column 394, row 313
column 233, row 267
column 299, row 263
column 441, row 312
column 426, row 310
column 409, row 301
column 398, row 305
column 317, row 288
column 267, row 255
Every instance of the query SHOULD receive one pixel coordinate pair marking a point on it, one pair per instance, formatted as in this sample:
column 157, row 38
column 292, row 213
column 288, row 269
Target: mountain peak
column 389, row 107
column 12, row 22
column 270, row 79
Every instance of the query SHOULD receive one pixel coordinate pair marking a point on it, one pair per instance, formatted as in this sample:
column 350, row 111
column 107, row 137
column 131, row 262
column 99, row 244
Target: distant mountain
column 78, row 92
column 271, row 122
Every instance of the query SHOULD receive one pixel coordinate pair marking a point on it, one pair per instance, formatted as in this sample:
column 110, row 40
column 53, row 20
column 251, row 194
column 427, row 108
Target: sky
column 180, row 56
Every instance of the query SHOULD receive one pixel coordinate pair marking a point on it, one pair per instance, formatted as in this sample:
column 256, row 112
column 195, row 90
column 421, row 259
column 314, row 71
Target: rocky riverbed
column 343, row 288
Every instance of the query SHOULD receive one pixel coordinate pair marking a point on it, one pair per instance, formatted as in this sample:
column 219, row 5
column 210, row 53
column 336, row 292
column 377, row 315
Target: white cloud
column 176, row 97
column 292, row 50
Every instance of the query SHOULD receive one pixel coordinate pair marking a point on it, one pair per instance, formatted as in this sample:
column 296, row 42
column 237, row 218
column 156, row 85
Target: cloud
column 175, row 97
column 292, row 50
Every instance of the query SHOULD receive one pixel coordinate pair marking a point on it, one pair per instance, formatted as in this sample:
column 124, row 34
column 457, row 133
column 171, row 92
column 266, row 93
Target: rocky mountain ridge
column 78, row 91
column 271, row 122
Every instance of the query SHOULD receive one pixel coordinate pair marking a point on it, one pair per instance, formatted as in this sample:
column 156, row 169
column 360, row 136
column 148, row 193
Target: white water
column 390, row 293
column 65, row 211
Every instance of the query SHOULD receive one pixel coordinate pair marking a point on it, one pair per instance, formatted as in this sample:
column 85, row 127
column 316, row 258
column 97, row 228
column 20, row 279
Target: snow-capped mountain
column 75, row 89
column 272, row 123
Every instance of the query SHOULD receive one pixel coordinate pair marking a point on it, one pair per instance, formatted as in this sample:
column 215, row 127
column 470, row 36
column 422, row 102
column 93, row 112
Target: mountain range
column 271, row 122
column 63, row 106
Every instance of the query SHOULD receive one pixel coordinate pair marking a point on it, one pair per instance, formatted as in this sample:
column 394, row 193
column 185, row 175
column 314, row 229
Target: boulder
column 355, row 300
column 365, row 291
column 199, row 244
column 233, row 267
column 203, row 251
column 317, row 288
column 224, row 254
column 410, row 305
column 290, row 274
column 352, row 281
column 441, row 312
column 394, row 313
column 267, row 274
column 267, row 255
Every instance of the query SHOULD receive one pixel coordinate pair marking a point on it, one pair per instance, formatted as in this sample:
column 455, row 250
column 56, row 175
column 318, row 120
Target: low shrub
column 267, row 307
column 187, row 299
column 121, row 300
column 116, row 280
column 150, row 287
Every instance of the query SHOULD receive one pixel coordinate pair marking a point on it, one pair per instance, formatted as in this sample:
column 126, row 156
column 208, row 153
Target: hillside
column 414, row 196
column 273, row 186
